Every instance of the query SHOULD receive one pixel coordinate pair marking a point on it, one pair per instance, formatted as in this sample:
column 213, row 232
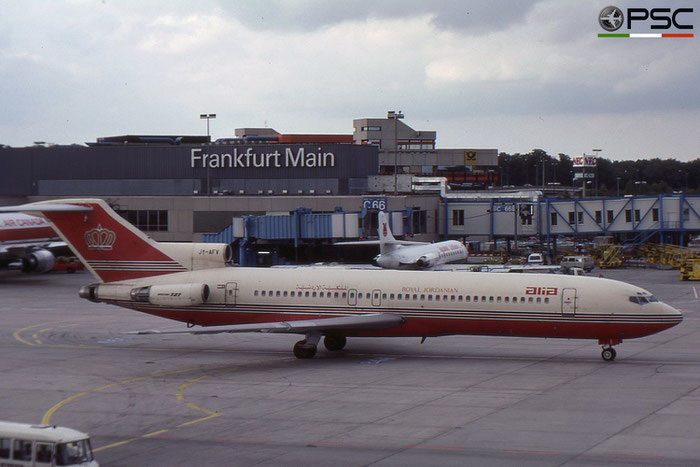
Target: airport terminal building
column 270, row 191
column 180, row 187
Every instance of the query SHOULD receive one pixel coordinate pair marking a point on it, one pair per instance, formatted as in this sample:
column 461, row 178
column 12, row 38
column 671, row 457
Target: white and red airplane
column 187, row 283
column 404, row 254
column 25, row 242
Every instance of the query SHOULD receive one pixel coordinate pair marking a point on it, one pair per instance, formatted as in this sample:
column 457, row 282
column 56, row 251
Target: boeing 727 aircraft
column 402, row 254
column 188, row 284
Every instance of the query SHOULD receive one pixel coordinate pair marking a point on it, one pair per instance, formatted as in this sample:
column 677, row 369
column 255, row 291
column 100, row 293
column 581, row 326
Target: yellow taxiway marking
column 178, row 394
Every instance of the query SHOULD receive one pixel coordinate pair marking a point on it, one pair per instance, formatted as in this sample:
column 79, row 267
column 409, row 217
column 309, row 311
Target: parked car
column 70, row 264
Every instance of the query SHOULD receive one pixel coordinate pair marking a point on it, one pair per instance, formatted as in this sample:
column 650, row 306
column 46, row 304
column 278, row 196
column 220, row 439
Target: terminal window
column 458, row 217
column 149, row 220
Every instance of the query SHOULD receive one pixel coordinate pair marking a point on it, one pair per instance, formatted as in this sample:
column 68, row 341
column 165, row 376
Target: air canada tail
column 113, row 249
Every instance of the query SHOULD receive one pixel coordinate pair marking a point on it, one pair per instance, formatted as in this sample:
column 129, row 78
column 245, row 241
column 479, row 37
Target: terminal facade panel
column 669, row 216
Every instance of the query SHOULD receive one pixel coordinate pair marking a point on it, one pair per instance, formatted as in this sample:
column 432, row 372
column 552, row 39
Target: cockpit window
column 643, row 299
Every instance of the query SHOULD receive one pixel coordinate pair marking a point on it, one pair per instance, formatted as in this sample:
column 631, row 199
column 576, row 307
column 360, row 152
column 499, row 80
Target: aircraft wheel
column 334, row 343
column 608, row 354
column 304, row 350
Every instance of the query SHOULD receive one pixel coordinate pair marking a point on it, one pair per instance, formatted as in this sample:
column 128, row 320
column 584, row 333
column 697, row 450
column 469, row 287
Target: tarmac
column 149, row 400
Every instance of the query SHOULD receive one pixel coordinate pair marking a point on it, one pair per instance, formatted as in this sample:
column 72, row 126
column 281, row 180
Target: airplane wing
column 377, row 242
column 339, row 324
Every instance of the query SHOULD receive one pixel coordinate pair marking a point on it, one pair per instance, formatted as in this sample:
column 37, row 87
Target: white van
column 584, row 262
column 535, row 258
column 22, row 444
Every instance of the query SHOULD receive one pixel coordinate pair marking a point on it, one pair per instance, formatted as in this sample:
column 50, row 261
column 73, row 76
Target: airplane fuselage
column 431, row 303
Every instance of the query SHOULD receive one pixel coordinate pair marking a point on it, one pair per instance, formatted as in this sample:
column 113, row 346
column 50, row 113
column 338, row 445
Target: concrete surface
column 245, row 400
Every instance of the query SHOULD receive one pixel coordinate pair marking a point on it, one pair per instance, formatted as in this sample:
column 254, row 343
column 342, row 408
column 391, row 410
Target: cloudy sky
column 492, row 74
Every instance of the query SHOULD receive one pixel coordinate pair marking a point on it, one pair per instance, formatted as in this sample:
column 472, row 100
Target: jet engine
column 386, row 261
column 172, row 294
column 427, row 261
column 38, row 261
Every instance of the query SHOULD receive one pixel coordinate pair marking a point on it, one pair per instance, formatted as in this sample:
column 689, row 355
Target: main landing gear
column 608, row 354
column 307, row 348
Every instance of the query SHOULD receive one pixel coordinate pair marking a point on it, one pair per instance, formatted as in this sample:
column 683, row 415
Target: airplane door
column 376, row 297
column 231, row 292
column 352, row 297
column 568, row 301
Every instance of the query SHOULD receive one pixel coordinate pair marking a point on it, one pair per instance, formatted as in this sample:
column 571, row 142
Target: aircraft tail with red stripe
column 115, row 250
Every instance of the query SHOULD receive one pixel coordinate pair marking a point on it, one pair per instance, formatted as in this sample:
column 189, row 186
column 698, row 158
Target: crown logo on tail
column 99, row 238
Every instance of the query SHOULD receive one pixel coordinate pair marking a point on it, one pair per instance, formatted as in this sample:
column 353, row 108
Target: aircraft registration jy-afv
column 190, row 283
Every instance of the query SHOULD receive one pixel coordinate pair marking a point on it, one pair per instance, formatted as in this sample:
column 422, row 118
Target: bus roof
column 51, row 433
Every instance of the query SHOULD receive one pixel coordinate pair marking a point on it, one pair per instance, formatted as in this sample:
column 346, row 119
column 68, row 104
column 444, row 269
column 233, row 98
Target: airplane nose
column 674, row 313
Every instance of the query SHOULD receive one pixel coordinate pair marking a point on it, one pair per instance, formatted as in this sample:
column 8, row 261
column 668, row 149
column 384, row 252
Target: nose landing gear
column 608, row 354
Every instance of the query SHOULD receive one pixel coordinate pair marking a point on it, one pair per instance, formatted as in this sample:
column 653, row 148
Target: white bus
column 22, row 444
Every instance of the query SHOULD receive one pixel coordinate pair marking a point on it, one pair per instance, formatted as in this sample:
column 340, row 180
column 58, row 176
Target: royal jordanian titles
column 190, row 283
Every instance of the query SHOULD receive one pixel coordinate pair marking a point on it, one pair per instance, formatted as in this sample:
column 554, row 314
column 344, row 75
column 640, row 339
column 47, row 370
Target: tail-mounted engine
column 172, row 294
column 163, row 295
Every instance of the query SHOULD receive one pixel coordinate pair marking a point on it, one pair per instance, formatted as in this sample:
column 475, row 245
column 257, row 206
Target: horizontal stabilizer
column 42, row 207
column 340, row 324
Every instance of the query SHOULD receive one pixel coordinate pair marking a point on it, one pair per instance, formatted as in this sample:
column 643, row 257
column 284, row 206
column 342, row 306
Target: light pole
column 207, row 117
column 393, row 115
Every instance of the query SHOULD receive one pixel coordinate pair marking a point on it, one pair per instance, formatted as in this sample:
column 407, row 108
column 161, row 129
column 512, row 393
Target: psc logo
column 611, row 18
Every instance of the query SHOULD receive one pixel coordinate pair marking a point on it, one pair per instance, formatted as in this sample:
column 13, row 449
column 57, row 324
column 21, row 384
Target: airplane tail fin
column 386, row 238
column 109, row 246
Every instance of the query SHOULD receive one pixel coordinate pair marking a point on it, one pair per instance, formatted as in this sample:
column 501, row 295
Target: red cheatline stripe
column 677, row 35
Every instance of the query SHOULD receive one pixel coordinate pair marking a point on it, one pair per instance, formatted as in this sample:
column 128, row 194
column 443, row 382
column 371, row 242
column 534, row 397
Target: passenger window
column 507, row 299
column 313, row 294
column 285, row 293
column 255, row 293
column 452, row 298
column 359, row 295
column 530, row 300
column 345, row 294
column 22, row 450
column 490, row 299
column 391, row 296
column 263, row 293
column 384, row 296
column 422, row 297
column 437, row 298
column 460, row 298
column 4, row 448
column 522, row 299
column 444, row 298
column 546, row 299
column 270, row 292
column 43, row 453
column 306, row 294
column 468, row 298
column 277, row 294
column 483, row 298
column 539, row 300
column 335, row 295
column 498, row 299
column 293, row 293
column 399, row 296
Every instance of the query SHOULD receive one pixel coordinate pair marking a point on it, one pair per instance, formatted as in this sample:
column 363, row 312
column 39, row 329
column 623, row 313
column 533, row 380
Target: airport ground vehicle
column 584, row 262
column 690, row 270
column 23, row 444
column 535, row 258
